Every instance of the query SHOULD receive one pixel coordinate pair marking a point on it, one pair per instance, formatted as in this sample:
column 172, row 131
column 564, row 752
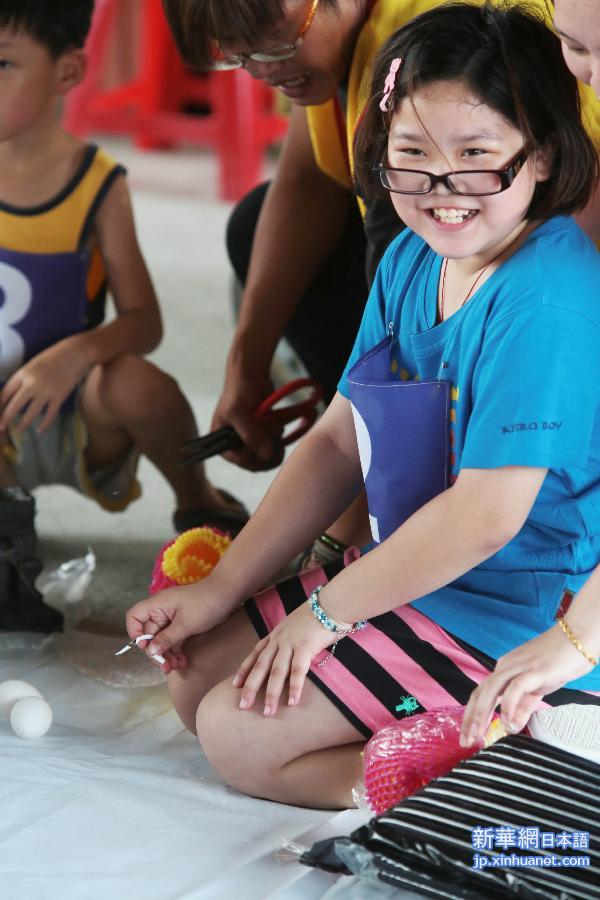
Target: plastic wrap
column 24, row 642
column 289, row 851
column 359, row 795
column 357, row 859
column 94, row 655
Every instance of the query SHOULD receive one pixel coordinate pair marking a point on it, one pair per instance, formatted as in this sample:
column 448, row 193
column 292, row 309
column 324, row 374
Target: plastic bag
column 92, row 654
column 65, row 589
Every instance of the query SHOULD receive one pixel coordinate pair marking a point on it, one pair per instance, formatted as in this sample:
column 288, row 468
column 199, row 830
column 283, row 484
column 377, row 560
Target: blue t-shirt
column 523, row 357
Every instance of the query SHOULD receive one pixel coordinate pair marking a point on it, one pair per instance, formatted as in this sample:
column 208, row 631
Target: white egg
column 31, row 717
column 13, row 690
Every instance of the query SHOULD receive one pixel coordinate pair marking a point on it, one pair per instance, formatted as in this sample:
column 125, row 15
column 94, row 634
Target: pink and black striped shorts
column 401, row 664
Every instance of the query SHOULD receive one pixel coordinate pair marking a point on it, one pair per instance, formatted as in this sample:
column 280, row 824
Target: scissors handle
column 213, row 444
column 227, row 438
column 305, row 410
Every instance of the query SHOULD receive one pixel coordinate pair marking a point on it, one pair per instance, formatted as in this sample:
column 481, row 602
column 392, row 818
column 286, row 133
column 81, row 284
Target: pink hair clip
column 390, row 83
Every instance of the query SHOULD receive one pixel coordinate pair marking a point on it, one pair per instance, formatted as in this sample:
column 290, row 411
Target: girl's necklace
column 471, row 289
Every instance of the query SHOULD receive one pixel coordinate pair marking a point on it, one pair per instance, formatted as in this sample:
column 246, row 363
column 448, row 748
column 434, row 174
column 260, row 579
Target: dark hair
column 198, row 24
column 513, row 63
column 59, row 25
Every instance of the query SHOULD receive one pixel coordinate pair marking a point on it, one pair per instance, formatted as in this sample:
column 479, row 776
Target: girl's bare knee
column 213, row 732
column 188, row 686
column 212, row 656
column 222, row 739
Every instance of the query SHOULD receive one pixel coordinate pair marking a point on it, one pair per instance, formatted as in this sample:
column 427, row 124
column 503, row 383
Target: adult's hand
column 242, row 392
column 520, row 680
column 302, row 220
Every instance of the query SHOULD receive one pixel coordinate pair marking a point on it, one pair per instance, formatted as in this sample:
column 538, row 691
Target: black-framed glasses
column 467, row 183
column 272, row 54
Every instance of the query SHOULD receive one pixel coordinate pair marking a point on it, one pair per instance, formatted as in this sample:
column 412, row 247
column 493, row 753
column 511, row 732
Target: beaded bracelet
column 576, row 642
column 341, row 629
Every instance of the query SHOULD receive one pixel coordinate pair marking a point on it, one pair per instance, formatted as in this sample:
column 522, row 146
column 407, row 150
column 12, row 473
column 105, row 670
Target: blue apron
column 402, row 430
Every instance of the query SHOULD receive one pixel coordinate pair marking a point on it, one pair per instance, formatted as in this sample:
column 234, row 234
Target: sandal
column 323, row 550
column 229, row 520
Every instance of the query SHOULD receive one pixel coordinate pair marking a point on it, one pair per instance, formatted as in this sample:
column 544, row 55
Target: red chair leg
column 235, row 98
column 78, row 102
column 156, row 75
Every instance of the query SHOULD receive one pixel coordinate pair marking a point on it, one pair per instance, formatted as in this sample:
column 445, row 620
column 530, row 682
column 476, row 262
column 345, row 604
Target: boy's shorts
column 58, row 457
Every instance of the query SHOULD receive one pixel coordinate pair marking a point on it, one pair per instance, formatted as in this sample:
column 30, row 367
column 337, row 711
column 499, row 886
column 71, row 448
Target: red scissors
column 227, row 438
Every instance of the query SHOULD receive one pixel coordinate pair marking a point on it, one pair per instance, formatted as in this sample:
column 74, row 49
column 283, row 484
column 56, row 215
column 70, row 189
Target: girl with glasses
column 302, row 247
column 489, row 298
column 546, row 662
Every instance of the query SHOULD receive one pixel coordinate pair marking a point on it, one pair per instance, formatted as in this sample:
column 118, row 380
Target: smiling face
column 450, row 129
column 577, row 23
column 321, row 62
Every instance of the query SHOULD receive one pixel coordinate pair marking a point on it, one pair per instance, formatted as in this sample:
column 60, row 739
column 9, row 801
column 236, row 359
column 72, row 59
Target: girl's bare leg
column 212, row 657
column 308, row 755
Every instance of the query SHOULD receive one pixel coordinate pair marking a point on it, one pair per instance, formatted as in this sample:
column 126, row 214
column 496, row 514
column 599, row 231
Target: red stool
column 239, row 122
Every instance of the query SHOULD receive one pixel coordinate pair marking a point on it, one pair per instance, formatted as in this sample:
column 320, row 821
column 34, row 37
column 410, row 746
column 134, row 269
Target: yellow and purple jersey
column 52, row 276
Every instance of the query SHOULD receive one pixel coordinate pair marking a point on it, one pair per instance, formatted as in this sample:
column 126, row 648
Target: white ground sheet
column 117, row 802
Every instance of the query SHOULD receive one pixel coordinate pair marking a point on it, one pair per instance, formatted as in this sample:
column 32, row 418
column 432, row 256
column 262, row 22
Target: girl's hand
column 519, row 682
column 287, row 651
column 173, row 616
column 41, row 386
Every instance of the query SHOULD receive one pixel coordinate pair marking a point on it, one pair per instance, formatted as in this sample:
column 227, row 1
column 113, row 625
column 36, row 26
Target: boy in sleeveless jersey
column 78, row 401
